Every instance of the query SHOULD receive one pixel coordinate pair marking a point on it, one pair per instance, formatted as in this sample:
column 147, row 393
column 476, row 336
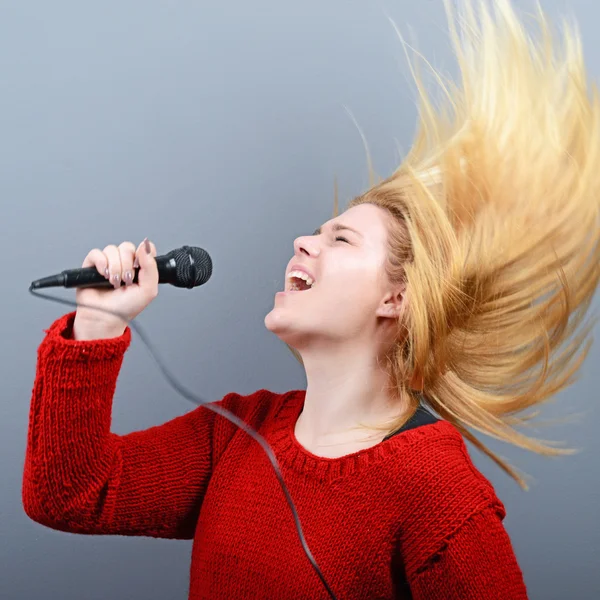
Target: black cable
column 220, row 411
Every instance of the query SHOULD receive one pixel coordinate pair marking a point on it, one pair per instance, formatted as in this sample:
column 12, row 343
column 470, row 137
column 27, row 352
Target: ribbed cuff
column 60, row 345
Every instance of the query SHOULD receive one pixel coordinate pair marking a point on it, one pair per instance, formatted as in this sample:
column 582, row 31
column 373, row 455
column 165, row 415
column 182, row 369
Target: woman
column 452, row 284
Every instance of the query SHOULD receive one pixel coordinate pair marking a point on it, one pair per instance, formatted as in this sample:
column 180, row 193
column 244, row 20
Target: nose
column 306, row 244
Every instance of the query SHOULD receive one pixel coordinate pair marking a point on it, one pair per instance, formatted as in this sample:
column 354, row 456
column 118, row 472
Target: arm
column 81, row 478
column 476, row 563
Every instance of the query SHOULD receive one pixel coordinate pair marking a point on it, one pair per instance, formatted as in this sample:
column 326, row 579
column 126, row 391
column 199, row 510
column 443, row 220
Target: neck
column 346, row 389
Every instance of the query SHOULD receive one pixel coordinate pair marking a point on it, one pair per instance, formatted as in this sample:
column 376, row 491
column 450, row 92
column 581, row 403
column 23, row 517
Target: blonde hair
column 496, row 229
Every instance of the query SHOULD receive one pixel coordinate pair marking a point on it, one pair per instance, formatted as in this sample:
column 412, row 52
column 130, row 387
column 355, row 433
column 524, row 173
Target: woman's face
column 345, row 259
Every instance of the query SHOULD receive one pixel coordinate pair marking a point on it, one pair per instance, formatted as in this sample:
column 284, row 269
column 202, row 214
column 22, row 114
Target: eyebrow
column 339, row 227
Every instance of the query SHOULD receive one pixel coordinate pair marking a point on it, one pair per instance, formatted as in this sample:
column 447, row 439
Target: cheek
column 350, row 302
column 351, row 285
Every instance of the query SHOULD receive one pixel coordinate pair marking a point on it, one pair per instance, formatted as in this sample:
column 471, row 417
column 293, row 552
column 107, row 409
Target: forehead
column 367, row 220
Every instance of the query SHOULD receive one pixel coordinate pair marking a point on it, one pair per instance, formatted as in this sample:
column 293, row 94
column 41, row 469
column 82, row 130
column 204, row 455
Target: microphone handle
column 89, row 277
column 86, row 277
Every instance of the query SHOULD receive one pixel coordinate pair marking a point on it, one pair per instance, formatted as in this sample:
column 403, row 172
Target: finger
column 142, row 248
column 114, row 264
column 96, row 258
column 127, row 254
column 148, row 273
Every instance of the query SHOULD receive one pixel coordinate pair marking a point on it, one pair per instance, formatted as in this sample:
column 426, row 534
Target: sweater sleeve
column 80, row 477
column 476, row 563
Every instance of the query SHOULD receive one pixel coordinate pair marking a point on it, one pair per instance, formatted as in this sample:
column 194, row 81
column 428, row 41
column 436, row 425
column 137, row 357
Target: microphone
column 185, row 267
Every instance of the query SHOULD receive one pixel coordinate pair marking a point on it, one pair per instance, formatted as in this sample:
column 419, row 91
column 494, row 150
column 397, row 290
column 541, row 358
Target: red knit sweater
column 411, row 515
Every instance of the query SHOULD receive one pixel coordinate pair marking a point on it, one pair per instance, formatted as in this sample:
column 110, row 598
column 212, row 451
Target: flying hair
column 495, row 228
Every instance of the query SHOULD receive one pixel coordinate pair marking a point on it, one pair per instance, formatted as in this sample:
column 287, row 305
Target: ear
column 392, row 304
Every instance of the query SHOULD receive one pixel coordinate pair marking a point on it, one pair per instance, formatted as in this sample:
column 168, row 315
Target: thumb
column 148, row 273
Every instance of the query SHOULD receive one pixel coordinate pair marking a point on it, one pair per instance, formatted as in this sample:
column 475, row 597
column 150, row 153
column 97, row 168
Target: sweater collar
column 293, row 455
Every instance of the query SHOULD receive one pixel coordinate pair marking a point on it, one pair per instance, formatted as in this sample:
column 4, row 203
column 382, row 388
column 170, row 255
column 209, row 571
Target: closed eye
column 341, row 239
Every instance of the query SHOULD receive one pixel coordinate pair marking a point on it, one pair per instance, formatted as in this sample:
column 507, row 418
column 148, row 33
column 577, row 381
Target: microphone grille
column 193, row 266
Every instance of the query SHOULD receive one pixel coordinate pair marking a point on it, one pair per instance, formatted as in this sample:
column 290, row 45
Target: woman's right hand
column 117, row 264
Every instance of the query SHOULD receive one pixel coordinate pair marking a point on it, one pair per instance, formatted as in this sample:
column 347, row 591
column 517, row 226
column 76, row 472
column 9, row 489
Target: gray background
column 220, row 123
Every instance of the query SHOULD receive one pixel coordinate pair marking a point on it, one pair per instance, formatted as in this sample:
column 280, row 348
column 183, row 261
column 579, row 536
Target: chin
column 277, row 322
column 282, row 325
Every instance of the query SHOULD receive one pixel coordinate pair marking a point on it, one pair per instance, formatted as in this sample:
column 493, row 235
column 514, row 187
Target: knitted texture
column 408, row 517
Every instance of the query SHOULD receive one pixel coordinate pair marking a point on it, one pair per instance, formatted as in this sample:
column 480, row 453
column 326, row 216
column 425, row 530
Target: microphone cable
column 194, row 399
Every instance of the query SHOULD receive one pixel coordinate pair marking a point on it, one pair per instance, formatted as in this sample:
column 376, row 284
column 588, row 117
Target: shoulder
column 256, row 409
column 436, row 459
column 442, row 489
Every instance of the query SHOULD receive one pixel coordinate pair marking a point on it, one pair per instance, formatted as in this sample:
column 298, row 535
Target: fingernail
column 106, row 272
column 136, row 263
column 116, row 280
column 147, row 246
column 128, row 278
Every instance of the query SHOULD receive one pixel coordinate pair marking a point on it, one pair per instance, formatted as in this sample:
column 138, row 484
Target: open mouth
column 299, row 281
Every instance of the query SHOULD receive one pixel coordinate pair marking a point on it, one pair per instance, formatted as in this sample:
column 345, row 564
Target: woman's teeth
column 300, row 275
